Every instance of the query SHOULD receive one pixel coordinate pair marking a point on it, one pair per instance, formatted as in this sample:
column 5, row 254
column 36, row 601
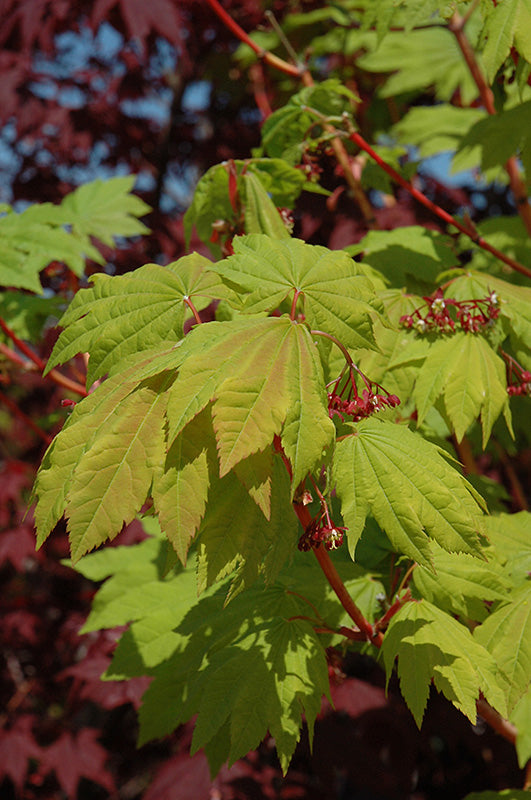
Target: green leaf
column 411, row 491
column 430, row 645
column 509, row 533
column 245, row 670
column 89, row 418
column 419, row 60
column 470, row 376
column 285, row 131
column 235, row 536
column 502, row 135
column 254, row 370
column 504, row 794
column 28, row 246
column 261, row 215
column 180, row 490
column 461, row 583
column 520, row 717
column 211, row 203
column 407, row 254
column 124, row 315
column 26, row 315
column 105, row 209
column 506, row 23
column 263, row 684
column 114, row 475
column 506, row 634
column 439, row 128
column 337, row 297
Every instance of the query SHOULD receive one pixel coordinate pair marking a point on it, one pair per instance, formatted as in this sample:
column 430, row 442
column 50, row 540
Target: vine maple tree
column 282, row 418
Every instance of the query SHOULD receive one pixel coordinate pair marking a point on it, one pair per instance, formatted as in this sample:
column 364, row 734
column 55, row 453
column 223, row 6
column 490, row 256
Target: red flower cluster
column 444, row 313
column 319, row 532
column 347, row 399
column 523, row 386
column 360, row 407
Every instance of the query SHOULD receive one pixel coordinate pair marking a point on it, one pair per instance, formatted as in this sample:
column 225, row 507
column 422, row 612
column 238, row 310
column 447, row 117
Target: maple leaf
column 433, row 645
column 141, row 18
column 75, row 756
column 182, row 774
column 407, row 485
column 18, row 546
column 17, row 747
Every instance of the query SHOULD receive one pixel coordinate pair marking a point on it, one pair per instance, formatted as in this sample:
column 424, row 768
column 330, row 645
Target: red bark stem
column 54, row 375
column 269, row 58
column 435, row 209
column 496, row 721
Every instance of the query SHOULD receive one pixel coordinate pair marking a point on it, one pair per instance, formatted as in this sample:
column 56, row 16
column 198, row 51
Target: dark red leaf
column 76, row 756
column 17, row 747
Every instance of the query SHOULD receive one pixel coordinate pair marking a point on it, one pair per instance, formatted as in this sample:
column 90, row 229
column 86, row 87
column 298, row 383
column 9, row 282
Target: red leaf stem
column 435, row 209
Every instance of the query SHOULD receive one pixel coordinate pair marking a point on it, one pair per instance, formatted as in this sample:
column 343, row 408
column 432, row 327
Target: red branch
column 54, row 375
column 269, row 58
column 496, row 721
column 325, row 562
column 435, row 209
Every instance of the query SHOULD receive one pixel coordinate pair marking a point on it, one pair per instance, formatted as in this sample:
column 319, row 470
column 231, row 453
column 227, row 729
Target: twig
column 331, row 574
column 269, row 58
column 496, row 721
column 301, row 72
column 54, row 375
column 516, row 487
column 435, row 209
column 456, row 26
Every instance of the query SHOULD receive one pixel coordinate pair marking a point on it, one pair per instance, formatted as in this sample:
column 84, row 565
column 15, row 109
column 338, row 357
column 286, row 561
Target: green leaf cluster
column 29, row 241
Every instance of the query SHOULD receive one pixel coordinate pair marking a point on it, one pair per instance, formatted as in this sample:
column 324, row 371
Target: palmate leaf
column 256, row 370
column 461, row 583
column 506, row 634
column 236, row 537
column 245, row 670
column 123, row 315
column 91, row 419
column 468, row 373
column 407, row 485
column 509, row 534
column 502, row 135
column 105, row 209
column 279, row 181
column 431, row 644
column 180, row 490
column 284, row 132
column 114, row 475
column 337, row 296
column 419, row 60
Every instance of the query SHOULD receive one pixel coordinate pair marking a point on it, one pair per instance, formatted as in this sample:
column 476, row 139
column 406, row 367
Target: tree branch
column 54, row 375
column 301, row 72
column 437, row 210
column 496, row 721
